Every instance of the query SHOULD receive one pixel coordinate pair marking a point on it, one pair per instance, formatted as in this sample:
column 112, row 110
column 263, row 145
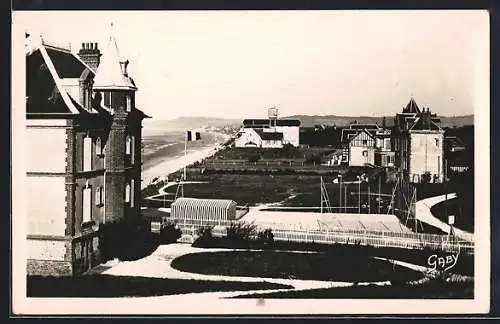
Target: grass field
column 453, row 207
column 334, row 266
column 291, row 190
column 118, row 286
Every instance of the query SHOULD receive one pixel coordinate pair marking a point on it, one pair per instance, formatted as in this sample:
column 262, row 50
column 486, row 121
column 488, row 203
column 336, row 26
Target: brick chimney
column 90, row 54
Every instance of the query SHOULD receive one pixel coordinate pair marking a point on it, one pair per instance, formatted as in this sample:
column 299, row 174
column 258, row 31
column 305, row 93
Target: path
column 424, row 214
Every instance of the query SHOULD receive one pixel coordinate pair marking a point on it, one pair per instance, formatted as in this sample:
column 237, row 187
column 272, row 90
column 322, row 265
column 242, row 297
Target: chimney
column 90, row 54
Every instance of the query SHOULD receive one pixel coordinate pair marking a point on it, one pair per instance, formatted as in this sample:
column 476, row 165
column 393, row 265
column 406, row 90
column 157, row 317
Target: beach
column 170, row 158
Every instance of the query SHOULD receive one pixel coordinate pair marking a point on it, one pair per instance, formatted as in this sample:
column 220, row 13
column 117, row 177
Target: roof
column 411, row 107
column 270, row 136
column 45, row 92
column 266, row 122
column 365, row 126
column 111, row 74
column 211, row 203
column 424, row 122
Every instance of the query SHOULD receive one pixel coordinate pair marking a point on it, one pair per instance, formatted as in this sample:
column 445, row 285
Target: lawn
column 123, row 286
column 292, row 190
column 333, row 266
column 432, row 290
column 453, row 207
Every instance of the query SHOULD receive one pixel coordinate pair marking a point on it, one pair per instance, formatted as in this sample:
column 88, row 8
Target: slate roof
column 111, row 74
column 270, row 136
column 265, row 122
column 411, row 107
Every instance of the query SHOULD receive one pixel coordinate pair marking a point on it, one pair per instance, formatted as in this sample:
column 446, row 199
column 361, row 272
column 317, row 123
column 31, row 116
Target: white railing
column 344, row 236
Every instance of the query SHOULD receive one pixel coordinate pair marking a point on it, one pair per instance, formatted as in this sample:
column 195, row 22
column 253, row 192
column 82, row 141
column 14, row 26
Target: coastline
column 166, row 165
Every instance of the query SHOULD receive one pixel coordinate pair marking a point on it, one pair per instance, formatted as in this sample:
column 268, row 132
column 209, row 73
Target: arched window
column 127, row 193
column 128, row 146
column 86, row 203
column 98, row 146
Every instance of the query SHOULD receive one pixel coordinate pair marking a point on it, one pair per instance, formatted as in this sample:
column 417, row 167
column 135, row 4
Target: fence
column 347, row 236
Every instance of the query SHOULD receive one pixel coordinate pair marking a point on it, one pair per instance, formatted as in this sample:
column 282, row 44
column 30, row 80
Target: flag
column 193, row 136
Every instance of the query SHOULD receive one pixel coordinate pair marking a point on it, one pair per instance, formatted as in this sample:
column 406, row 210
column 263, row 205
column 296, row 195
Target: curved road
column 424, row 214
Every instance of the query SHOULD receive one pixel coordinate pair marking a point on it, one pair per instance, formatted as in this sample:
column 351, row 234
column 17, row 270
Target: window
column 127, row 193
column 132, row 148
column 87, row 153
column 129, row 102
column 128, row 145
column 437, row 141
column 388, row 143
column 87, row 204
column 365, row 153
column 107, row 99
column 132, row 188
column 99, row 196
column 98, row 147
column 365, row 142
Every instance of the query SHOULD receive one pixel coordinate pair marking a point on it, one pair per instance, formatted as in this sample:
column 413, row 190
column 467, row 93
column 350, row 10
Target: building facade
column 419, row 144
column 84, row 153
column 367, row 144
column 287, row 132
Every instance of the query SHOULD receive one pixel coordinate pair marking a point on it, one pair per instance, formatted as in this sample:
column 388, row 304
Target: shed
column 203, row 209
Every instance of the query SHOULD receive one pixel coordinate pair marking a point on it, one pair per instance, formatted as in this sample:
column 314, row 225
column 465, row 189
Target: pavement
column 424, row 214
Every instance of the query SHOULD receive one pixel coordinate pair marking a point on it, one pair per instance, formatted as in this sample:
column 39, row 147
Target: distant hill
column 154, row 126
column 341, row 121
column 186, row 123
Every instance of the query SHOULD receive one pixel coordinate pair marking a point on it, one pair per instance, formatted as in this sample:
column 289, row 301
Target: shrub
column 170, row 233
column 254, row 157
column 238, row 232
column 313, row 159
column 426, row 177
column 265, row 236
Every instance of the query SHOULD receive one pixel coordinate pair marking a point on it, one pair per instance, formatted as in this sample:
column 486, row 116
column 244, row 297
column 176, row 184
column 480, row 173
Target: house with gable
column 83, row 137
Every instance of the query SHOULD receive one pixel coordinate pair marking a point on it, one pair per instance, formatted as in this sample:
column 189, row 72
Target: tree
column 426, row 177
column 237, row 232
column 254, row 157
column 266, row 236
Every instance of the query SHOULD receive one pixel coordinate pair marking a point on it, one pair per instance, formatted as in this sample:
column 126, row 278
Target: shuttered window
column 87, row 153
column 87, row 204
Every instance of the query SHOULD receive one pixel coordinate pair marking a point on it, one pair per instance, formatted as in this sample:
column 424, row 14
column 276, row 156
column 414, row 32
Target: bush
column 313, row 159
column 254, row 157
column 238, row 232
column 266, row 236
column 426, row 177
column 170, row 233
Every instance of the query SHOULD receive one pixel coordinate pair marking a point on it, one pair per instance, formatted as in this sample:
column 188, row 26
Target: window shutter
column 132, row 188
column 87, row 204
column 98, row 196
column 87, row 153
column 132, row 149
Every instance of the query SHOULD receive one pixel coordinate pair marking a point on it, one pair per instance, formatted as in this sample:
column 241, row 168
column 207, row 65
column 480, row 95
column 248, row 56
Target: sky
column 236, row 64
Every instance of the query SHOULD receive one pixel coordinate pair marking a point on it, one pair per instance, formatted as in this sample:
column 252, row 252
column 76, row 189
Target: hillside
column 309, row 121
column 186, row 123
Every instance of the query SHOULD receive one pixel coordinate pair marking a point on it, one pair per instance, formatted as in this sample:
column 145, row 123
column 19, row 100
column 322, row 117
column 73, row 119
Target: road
column 424, row 214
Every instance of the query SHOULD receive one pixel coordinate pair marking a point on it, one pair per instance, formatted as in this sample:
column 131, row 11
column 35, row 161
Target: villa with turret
column 83, row 134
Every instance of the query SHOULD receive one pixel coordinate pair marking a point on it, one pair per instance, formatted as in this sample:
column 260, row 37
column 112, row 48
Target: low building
column 288, row 128
column 203, row 211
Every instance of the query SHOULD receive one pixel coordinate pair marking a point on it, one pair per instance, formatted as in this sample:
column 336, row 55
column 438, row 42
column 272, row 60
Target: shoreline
column 172, row 164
